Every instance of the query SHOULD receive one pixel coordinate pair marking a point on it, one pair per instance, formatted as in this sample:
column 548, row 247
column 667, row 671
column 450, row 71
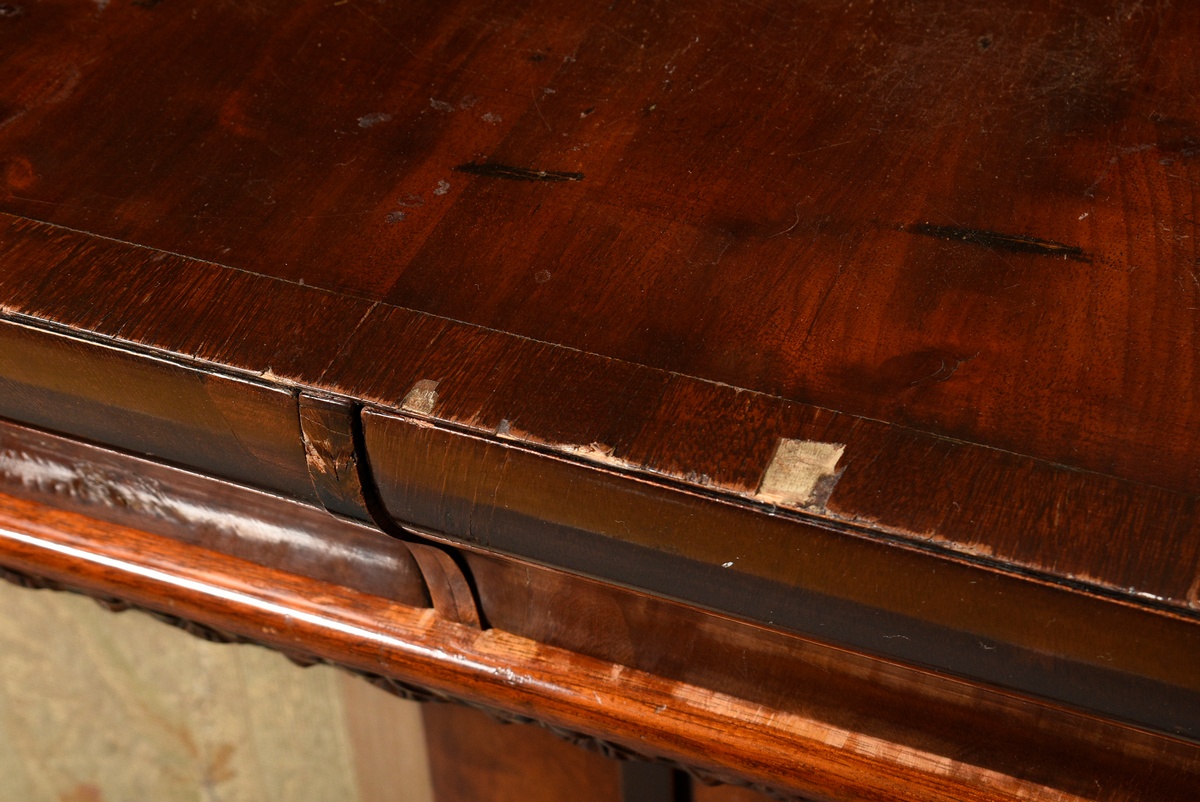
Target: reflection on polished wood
column 803, row 393
column 621, row 671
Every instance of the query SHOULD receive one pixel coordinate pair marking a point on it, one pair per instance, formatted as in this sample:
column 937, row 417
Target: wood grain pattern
column 868, row 595
column 1062, row 515
column 586, row 268
column 242, row 430
column 794, row 677
column 233, row 520
column 791, row 750
column 475, row 758
column 926, row 298
column 1054, row 521
column 936, row 213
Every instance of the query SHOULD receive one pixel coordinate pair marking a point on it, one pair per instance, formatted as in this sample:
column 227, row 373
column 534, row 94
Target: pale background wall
column 104, row 707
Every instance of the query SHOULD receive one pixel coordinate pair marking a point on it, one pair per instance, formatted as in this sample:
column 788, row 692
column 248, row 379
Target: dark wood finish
column 1084, row 515
column 475, row 758
column 932, row 213
column 268, row 133
column 621, row 671
column 714, row 229
column 653, row 782
column 1026, row 514
column 331, row 453
column 726, row 793
column 867, row 327
column 236, row 428
column 448, row 587
column 1108, row 656
column 632, row 708
column 226, row 518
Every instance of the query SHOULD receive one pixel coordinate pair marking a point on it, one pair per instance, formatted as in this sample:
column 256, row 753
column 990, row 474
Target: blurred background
column 104, row 707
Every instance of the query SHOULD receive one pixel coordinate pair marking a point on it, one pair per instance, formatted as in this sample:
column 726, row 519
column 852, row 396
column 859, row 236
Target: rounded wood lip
column 642, row 712
column 1134, row 652
column 818, row 315
column 1121, row 540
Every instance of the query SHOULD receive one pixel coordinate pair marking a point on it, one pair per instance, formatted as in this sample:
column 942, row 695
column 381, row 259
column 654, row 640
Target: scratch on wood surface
column 422, row 398
column 370, row 120
column 596, row 452
column 802, row 473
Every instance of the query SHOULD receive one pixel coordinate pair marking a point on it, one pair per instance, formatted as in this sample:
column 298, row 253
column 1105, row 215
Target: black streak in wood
column 516, row 173
column 994, row 240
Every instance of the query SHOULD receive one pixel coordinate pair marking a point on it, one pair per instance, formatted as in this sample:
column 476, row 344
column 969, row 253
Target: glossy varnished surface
column 820, row 723
column 236, row 521
column 977, row 220
column 579, row 261
column 931, row 217
column 847, row 586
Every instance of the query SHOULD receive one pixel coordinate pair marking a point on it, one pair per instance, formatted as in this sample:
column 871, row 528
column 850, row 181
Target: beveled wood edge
column 415, row 648
column 1118, row 660
column 1028, row 586
column 937, row 546
column 248, row 524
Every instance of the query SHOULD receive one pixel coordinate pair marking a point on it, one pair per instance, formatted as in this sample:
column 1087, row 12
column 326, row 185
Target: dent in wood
column 802, row 473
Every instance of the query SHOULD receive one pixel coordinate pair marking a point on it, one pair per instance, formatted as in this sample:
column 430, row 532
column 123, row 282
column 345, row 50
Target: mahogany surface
column 474, row 757
column 623, row 672
column 970, row 219
column 554, row 283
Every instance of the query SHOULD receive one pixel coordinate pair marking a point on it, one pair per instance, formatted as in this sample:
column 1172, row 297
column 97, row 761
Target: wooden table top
column 874, row 322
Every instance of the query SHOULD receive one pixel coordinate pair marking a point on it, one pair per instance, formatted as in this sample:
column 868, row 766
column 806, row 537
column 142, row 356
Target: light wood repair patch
column 422, row 398
column 802, row 473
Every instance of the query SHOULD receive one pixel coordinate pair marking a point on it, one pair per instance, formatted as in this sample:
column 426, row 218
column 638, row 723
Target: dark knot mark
column 11, row 10
column 489, row 170
column 994, row 240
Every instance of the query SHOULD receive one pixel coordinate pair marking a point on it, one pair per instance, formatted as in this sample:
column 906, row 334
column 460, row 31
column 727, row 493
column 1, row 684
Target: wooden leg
column 386, row 737
column 654, row 782
column 474, row 758
column 727, row 793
